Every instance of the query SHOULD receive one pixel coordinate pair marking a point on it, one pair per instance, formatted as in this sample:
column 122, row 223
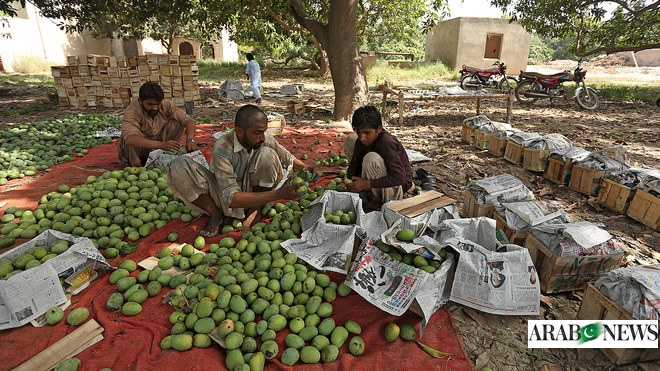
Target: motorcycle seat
column 536, row 75
column 477, row 69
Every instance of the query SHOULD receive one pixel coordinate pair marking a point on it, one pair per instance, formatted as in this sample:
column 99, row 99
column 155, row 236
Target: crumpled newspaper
column 617, row 152
column 501, row 188
column 523, row 215
column 570, row 154
column 635, row 289
column 576, row 239
column 524, row 138
column 476, row 121
column 597, row 161
column 632, row 177
column 651, row 185
column 550, row 141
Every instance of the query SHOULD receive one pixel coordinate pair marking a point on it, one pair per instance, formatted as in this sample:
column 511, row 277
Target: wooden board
column 467, row 134
column 615, row 196
column 480, row 141
column 496, row 145
column 427, row 201
column 567, row 273
column 535, row 159
column 557, row 171
column 471, row 209
column 586, row 181
column 513, row 152
column 515, row 236
column 596, row 306
column 67, row 347
column 645, row 208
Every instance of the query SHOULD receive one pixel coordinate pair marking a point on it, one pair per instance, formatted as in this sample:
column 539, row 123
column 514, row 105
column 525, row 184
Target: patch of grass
column 30, row 63
column 628, row 92
column 38, row 106
column 36, row 79
column 211, row 70
column 381, row 72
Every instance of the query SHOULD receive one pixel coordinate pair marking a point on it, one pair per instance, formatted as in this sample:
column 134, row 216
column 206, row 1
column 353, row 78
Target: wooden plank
column 467, row 134
column 408, row 202
column 496, row 145
column 432, row 205
column 70, row 345
column 513, row 152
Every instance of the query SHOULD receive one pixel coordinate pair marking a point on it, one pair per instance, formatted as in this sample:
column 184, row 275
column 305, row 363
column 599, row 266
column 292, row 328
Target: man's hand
column 288, row 191
column 170, row 145
column 358, row 184
column 191, row 146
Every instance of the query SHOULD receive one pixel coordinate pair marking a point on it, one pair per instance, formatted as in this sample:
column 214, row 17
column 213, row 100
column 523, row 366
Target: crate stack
column 104, row 81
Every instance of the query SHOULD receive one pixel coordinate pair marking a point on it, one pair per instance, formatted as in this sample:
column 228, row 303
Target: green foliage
column 627, row 92
column 539, row 51
column 382, row 71
column 211, row 70
column 7, row 7
column 633, row 25
column 413, row 40
column 30, row 63
column 543, row 49
column 40, row 80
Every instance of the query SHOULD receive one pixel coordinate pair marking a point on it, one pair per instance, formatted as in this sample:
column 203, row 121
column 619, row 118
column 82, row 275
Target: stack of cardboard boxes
column 99, row 80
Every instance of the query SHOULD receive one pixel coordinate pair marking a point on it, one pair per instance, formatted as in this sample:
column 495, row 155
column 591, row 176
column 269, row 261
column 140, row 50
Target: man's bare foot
column 258, row 100
column 213, row 226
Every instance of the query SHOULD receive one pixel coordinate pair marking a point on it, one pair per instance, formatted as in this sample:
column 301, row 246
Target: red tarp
column 133, row 342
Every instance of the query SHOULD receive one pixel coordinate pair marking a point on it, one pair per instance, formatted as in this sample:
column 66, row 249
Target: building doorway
column 186, row 49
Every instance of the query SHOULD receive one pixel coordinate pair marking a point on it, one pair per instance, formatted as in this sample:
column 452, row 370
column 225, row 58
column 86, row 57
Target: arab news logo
column 590, row 332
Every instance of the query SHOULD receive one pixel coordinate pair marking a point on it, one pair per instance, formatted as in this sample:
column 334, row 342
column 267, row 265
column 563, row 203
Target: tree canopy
column 596, row 26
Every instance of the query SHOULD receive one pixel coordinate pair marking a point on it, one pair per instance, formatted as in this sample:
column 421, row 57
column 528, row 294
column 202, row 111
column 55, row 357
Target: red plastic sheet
column 134, row 342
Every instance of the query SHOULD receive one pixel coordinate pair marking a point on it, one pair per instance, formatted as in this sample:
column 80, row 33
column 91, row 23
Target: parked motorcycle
column 534, row 86
column 495, row 77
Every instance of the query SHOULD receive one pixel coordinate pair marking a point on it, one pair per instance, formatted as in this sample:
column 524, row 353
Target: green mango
column 182, row 342
column 290, row 356
column 54, row 315
column 356, row 346
column 310, row 354
column 131, row 308
column 270, row 349
column 339, row 336
column 329, row 353
column 115, row 301
column 353, row 327
column 77, row 316
column 71, row 364
column 408, row 332
column 392, row 332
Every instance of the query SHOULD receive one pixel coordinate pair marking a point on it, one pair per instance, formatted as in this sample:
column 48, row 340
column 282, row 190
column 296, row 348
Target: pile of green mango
column 32, row 258
column 28, row 148
column 405, row 331
column 340, row 217
column 427, row 265
column 120, row 204
column 333, row 159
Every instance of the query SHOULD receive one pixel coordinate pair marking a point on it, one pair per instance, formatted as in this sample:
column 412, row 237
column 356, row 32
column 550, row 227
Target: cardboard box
column 558, row 274
column 586, row 181
column 418, row 205
column 645, row 208
column 558, row 171
column 467, row 134
column 596, row 306
column 615, row 196
column 535, row 159
column 496, row 145
column 514, row 236
column 513, row 152
column 471, row 209
column 295, row 107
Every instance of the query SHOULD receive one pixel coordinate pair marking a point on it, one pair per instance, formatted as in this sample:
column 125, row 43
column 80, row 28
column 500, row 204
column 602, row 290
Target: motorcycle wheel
column 658, row 102
column 508, row 83
column 469, row 82
column 587, row 99
column 522, row 88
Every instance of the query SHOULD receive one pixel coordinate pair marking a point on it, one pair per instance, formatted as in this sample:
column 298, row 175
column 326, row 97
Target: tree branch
column 319, row 30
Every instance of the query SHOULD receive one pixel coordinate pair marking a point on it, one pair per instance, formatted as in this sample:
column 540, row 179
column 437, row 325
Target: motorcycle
column 496, row 78
column 534, row 86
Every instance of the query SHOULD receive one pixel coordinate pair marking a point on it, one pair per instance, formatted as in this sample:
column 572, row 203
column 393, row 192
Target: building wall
column 648, row 58
column 39, row 37
column 442, row 42
column 463, row 41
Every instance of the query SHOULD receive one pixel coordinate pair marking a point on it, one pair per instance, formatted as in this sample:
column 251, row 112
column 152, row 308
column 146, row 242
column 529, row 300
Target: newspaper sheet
column 570, row 154
column 109, row 132
column 29, row 294
column 524, row 138
column 384, row 281
column 480, row 230
column 635, row 289
column 415, row 156
column 575, row 239
column 329, row 246
column 501, row 282
column 218, row 134
column 159, row 158
column 476, row 121
column 522, row 215
column 501, row 188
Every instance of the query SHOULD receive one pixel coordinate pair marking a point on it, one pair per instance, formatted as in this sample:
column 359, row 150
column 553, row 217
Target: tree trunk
column 339, row 39
column 348, row 77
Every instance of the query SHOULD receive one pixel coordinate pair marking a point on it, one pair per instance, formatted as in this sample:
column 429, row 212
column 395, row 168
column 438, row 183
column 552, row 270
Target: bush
column 30, row 63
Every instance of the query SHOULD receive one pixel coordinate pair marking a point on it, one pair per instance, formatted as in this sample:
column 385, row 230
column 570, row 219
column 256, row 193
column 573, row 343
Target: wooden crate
column 586, row 181
column 567, row 273
column 535, row 159
column 418, row 205
column 480, row 139
column 467, row 134
column 558, row 171
column 515, row 236
column 645, row 208
column 496, row 145
column 596, row 306
column 471, row 209
column 615, row 196
column 513, row 152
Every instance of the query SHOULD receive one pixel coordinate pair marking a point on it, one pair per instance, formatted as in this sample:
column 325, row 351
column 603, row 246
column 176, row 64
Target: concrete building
column 34, row 37
column 479, row 42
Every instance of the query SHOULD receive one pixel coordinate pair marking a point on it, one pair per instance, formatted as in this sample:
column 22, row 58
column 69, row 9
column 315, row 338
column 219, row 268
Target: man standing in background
column 253, row 72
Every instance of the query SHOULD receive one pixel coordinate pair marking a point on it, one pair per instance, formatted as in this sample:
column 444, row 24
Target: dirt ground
column 494, row 341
